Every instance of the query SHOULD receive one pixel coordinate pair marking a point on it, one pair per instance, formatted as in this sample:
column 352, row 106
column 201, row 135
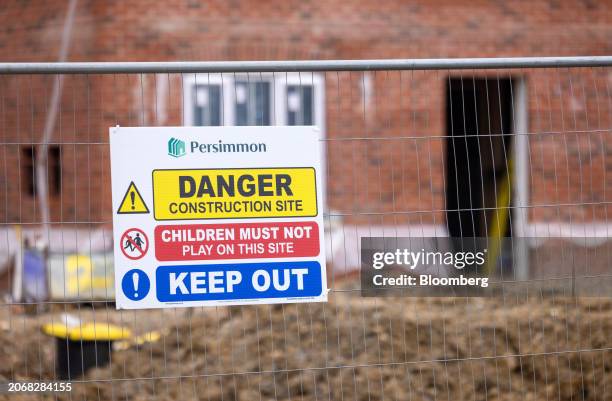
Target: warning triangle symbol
column 132, row 202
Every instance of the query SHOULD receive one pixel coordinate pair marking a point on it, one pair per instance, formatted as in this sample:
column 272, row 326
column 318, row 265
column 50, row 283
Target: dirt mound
column 351, row 348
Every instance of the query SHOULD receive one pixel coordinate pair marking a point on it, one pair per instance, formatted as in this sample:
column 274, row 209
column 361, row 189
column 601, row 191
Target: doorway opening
column 479, row 116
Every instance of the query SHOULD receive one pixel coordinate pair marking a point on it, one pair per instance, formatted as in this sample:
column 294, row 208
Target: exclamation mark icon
column 135, row 281
column 132, row 202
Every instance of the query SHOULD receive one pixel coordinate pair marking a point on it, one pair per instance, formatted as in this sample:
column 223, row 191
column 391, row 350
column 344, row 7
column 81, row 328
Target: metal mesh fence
column 425, row 152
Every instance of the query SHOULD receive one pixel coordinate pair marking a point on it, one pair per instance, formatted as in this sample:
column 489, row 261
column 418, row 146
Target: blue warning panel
column 240, row 281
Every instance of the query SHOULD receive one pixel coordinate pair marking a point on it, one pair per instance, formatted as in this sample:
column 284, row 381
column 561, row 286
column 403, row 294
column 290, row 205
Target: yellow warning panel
column 234, row 193
column 132, row 202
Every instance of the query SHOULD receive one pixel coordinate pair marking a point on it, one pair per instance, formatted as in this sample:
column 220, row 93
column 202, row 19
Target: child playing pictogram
column 130, row 242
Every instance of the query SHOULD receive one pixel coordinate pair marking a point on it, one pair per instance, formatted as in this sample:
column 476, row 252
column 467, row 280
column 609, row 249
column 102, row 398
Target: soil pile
column 351, row 348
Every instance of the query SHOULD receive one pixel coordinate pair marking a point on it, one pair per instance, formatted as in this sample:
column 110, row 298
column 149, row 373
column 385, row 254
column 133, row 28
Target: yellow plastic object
column 150, row 337
column 87, row 332
column 499, row 222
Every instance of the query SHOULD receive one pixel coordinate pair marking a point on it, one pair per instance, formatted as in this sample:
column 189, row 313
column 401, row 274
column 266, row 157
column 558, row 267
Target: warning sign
column 235, row 218
column 236, row 241
column 234, row 194
column 134, row 244
column 132, row 202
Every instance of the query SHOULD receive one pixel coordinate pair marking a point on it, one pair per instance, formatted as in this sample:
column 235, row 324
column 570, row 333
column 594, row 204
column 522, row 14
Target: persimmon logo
column 176, row 147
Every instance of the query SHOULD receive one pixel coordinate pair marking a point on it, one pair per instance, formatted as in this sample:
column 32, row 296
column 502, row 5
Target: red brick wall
column 569, row 112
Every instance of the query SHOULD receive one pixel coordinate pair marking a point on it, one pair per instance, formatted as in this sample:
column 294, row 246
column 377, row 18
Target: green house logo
column 176, row 147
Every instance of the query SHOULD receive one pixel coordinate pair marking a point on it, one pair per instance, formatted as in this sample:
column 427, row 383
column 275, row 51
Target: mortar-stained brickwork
column 396, row 180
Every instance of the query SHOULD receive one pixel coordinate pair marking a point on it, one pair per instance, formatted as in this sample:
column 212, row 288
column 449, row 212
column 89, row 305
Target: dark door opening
column 478, row 153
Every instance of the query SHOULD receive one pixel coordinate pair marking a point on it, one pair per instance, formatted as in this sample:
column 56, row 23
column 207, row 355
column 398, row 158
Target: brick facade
column 385, row 131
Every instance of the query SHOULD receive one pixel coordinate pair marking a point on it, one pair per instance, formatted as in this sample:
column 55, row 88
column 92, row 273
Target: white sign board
column 208, row 216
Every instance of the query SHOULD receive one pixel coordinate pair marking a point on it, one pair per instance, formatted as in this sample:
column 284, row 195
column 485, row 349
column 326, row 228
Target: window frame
column 284, row 80
column 191, row 95
column 190, row 81
column 53, row 170
column 251, row 80
column 278, row 96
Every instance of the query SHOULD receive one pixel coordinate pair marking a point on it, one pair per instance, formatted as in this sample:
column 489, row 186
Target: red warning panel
column 236, row 241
